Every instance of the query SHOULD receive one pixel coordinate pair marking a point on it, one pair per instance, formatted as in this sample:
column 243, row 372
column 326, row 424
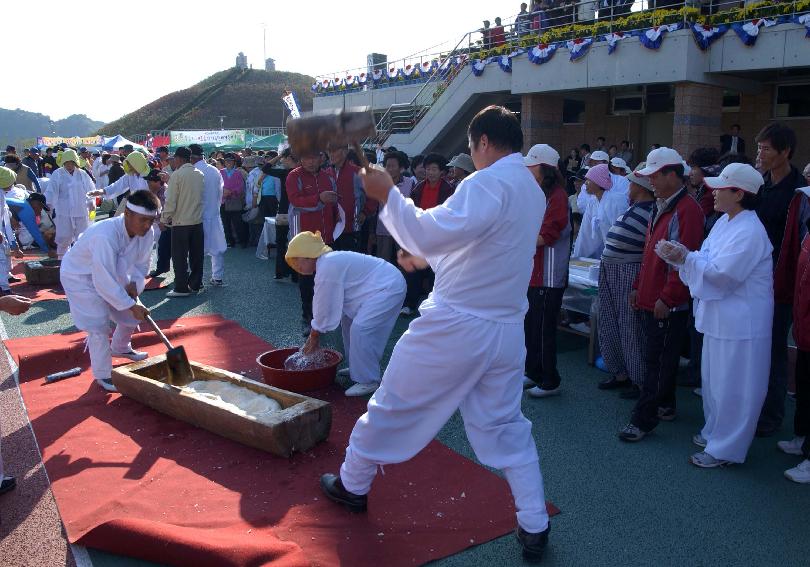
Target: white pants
column 735, row 381
column 68, row 230
column 448, row 360
column 365, row 336
column 5, row 267
column 93, row 315
column 217, row 265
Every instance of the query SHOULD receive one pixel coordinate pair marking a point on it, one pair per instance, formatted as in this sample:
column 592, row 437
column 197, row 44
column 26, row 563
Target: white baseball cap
column 619, row 162
column 659, row 158
column 541, row 154
column 599, row 155
column 737, row 176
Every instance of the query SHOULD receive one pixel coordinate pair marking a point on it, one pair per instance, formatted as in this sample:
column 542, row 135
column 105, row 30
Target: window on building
column 731, row 101
column 660, row 98
column 792, row 101
column 628, row 100
column 573, row 111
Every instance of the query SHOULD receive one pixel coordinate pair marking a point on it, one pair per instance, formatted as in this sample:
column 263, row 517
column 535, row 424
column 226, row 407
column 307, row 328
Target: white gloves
column 671, row 252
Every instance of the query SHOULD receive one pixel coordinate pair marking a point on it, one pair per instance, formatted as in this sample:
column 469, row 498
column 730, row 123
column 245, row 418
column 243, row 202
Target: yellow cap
column 69, row 155
column 7, row 177
column 136, row 162
column 306, row 245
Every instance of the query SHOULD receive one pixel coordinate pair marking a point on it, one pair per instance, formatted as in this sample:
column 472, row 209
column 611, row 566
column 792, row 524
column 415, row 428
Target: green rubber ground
column 622, row 504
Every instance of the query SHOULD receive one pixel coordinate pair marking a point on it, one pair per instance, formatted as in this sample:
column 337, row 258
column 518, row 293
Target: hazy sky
column 108, row 59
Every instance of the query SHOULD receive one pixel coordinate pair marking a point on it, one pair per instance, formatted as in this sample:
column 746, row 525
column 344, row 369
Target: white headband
column 142, row 211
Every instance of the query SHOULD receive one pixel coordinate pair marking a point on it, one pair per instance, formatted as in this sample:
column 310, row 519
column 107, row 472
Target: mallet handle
column 157, row 331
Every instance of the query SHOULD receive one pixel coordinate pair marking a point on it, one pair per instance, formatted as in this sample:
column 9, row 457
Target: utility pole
column 264, row 45
column 221, row 120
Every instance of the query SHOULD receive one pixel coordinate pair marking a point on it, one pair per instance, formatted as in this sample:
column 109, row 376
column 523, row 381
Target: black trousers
column 540, row 327
column 801, row 420
column 282, row 235
column 164, row 251
column 306, row 285
column 236, row 230
column 346, row 242
column 773, row 410
column 418, row 283
column 664, row 340
column 187, row 257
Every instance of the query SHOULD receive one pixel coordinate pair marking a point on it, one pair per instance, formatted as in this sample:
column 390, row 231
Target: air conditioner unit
column 628, row 104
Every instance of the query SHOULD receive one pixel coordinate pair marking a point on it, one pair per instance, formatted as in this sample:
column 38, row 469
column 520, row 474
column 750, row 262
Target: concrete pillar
column 541, row 117
column 698, row 117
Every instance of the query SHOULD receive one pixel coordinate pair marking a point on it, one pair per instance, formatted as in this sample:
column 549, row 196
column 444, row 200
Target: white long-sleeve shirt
column 212, row 189
column 480, row 242
column 69, row 192
column 128, row 182
column 344, row 281
column 106, row 256
column 731, row 279
column 597, row 219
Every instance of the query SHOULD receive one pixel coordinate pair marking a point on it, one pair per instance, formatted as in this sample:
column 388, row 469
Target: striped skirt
column 622, row 341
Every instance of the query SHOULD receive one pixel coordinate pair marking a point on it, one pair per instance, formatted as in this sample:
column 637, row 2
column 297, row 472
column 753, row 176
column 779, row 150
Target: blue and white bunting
column 505, row 63
column 578, row 47
column 749, row 31
column 542, row 53
column 707, row 35
column 652, row 38
column 478, row 67
column 613, row 40
column 804, row 20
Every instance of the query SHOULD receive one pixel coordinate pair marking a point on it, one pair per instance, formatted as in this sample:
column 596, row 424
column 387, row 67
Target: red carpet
column 132, row 481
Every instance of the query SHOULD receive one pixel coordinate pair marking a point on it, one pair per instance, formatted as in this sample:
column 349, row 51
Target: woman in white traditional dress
column 69, row 187
column 731, row 279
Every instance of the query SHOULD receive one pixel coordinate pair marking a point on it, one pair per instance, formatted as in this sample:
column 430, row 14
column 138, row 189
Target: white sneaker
column 217, row 283
column 580, row 328
column 698, row 392
column 362, row 389
column 705, row 461
column 538, row 392
column 699, row 440
column 800, row 473
column 133, row 355
column 405, row 311
column 528, row 382
column 107, row 384
column 178, row 293
column 344, row 372
column 792, row 447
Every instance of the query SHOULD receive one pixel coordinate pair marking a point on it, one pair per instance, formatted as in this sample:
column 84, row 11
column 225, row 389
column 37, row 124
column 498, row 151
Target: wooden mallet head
column 316, row 132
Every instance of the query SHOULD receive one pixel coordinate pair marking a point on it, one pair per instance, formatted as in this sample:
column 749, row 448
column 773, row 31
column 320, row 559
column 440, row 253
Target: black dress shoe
column 9, row 483
column 155, row 274
column 633, row 393
column 766, row 430
column 533, row 544
column 334, row 490
column 613, row 383
column 14, row 279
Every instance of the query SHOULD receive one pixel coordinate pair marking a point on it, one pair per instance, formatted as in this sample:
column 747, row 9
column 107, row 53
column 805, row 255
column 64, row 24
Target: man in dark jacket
column 775, row 146
column 659, row 292
column 732, row 142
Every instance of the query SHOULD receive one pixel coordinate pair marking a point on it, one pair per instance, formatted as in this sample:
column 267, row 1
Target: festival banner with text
column 207, row 137
column 74, row 141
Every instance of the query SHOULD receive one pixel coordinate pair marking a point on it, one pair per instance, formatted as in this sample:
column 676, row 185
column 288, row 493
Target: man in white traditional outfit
column 731, row 279
column 361, row 293
column 103, row 273
column 68, row 190
column 213, row 231
column 136, row 169
column 466, row 351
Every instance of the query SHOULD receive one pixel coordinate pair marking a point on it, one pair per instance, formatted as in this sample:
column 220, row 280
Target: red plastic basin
column 273, row 373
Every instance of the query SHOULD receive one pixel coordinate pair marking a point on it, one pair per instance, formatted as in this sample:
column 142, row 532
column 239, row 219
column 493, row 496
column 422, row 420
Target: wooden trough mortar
column 302, row 423
column 42, row 272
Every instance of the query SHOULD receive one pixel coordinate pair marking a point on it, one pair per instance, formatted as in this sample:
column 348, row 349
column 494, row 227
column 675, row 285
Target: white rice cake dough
column 234, row 399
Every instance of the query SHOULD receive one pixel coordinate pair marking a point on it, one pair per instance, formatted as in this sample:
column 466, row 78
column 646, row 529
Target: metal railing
column 404, row 116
